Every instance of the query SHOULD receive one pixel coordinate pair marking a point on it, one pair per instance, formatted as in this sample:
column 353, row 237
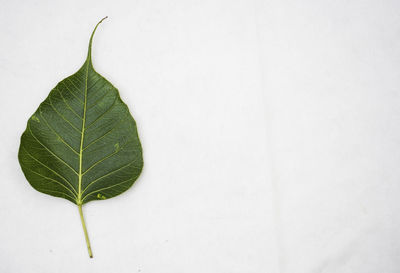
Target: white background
column 270, row 132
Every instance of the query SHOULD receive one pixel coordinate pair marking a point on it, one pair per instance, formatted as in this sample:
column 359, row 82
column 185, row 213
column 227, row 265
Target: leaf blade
column 82, row 132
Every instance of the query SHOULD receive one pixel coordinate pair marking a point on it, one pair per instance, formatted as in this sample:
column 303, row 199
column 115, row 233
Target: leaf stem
column 85, row 231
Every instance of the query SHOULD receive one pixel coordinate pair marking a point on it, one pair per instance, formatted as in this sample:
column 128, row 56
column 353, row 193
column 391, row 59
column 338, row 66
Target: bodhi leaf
column 82, row 144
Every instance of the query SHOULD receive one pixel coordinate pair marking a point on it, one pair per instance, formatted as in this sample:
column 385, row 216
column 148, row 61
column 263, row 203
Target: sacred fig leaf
column 82, row 144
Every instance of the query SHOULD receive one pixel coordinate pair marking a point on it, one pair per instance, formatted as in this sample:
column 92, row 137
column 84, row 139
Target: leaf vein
column 104, row 158
column 106, row 188
column 72, row 93
column 98, row 100
column 51, row 152
column 64, row 118
column 99, row 117
column 67, row 104
column 94, row 84
column 73, row 83
column 118, row 123
column 58, row 182
column 63, row 193
column 51, row 128
column 47, row 167
column 104, row 176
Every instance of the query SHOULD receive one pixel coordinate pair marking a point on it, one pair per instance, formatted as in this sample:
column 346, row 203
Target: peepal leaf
column 82, row 144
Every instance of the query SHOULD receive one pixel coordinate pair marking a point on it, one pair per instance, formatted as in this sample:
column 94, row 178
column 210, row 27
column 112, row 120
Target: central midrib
column 79, row 200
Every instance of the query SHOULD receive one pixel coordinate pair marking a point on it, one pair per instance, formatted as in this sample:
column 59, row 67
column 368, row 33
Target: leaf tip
column 91, row 39
column 103, row 19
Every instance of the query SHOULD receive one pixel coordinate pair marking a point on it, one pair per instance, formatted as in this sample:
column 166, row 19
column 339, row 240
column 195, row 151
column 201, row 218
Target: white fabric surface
column 270, row 132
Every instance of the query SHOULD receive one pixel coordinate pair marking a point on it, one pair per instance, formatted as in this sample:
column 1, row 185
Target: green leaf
column 82, row 144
